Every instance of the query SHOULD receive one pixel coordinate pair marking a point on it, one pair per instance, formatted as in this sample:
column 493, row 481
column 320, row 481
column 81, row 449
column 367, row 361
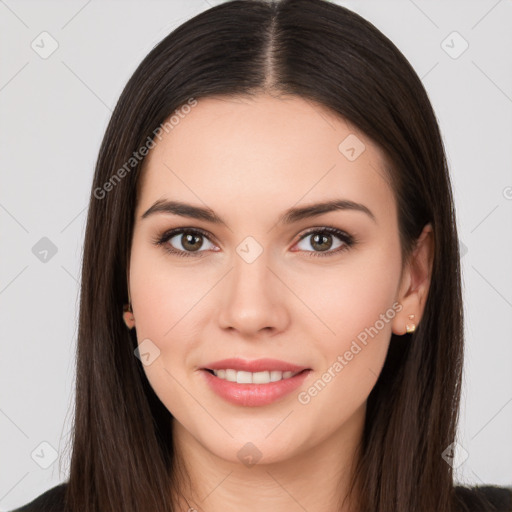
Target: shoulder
column 483, row 498
column 51, row 500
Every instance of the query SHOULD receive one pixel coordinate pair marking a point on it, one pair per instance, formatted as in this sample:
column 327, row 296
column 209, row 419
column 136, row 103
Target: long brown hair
column 122, row 451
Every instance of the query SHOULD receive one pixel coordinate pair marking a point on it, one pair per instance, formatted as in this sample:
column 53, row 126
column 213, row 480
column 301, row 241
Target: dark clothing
column 484, row 498
column 470, row 499
column 50, row 501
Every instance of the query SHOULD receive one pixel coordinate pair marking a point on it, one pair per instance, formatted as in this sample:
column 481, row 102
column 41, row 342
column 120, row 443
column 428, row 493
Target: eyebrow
column 290, row 216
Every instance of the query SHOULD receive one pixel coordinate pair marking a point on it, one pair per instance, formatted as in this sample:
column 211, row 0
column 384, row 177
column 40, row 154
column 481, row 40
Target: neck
column 317, row 479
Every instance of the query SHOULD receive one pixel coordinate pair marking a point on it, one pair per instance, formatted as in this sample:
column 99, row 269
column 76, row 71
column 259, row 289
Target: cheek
column 163, row 292
column 357, row 304
column 168, row 304
column 352, row 296
column 161, row 296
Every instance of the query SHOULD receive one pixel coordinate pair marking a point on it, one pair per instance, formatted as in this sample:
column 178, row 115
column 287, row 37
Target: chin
column 254, row 446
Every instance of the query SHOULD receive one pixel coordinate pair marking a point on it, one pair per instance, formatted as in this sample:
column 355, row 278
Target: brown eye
column 184, row 242
column 322, row 240
column 188, row 242
column 191, row 241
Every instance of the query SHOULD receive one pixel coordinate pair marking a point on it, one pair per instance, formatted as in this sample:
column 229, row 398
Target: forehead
column 264, row 154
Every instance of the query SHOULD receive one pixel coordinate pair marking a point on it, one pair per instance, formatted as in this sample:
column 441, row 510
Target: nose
column 254, row 299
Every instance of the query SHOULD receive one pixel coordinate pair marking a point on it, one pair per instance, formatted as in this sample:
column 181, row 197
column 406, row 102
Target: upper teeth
column 252, row 378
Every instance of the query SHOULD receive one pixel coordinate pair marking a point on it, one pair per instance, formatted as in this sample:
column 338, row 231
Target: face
column 316, row 294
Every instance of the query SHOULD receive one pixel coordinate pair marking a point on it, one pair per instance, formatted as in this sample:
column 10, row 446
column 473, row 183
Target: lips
column 253, row 383
column 258, row 365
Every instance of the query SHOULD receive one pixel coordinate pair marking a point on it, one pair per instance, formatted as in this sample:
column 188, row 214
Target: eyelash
column 348, row 241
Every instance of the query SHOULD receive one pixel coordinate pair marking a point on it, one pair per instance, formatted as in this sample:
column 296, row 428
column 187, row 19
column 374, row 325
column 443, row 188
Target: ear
column 128, row 317
column 415, row 282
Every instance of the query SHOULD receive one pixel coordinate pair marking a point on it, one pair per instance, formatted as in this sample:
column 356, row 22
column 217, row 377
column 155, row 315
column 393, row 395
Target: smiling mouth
column 244, row 377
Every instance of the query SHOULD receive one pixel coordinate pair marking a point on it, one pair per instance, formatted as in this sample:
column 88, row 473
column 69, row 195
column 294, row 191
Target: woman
column 271, row 309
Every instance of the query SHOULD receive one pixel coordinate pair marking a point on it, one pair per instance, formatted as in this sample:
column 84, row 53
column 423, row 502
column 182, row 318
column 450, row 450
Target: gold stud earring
column 128, row 317
column 410, row 328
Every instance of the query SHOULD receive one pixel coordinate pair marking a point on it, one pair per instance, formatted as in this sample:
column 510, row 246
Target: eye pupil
column 323, row 238
column 188, row 244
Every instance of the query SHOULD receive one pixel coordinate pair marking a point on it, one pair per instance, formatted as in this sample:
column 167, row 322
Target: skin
column 250, row 159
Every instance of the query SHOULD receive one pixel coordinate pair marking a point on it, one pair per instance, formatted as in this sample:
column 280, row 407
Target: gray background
column 53, row 112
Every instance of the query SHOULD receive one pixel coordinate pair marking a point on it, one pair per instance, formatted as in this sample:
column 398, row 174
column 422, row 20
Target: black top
column 489, row 498
column 50, row 501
